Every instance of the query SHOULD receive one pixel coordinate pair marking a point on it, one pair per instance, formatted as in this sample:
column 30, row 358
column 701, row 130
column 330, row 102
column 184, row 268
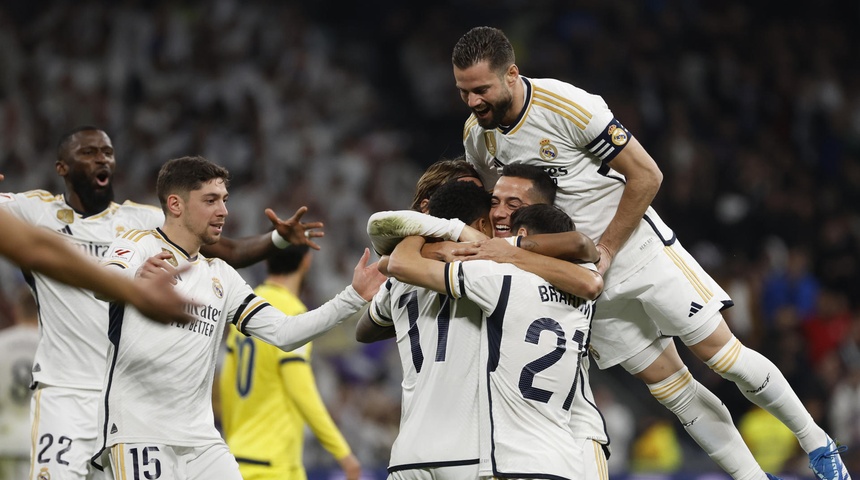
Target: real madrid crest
column 217, row 288
column 44, row 474
column 617, row 135
column 120, row 230
column 66, row 215
column 172, row 259
column 490, row 141
column 547, row 150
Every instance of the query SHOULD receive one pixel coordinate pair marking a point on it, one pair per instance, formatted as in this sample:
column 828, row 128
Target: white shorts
column 127, row 461
column 593, row 462
column 670, row 296
column 65, row 426
column 459, row 472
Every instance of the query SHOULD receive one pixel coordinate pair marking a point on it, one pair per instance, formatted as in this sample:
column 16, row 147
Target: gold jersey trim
column 574, row 116
column 470, row 122
column 565, row 103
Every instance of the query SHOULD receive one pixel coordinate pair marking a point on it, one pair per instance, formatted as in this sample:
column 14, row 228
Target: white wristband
column 515, row 241
column 279, row 241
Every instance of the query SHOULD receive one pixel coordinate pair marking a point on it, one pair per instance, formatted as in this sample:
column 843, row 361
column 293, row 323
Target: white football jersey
column 533, row 340
column 18, row 344
column 73, row 323
column 439, row 340
column 158, row 383
column 573, row 135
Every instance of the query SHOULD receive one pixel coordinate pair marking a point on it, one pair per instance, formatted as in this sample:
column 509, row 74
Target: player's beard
column 498, row 109
column 93, row 198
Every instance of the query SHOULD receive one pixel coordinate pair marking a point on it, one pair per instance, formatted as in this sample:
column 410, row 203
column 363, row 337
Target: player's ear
column 62, row 167
column 423, row 205
column 512, row 74
column 523, row 231
column 175, row 205
column 484, row 226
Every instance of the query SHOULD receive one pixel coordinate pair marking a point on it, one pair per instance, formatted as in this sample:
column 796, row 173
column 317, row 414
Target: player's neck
column 182, row 237
column 290, row 281
column 85, row 208
column 518, row 92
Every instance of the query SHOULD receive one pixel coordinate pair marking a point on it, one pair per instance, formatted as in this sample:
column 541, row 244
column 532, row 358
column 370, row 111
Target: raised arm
column 408, row 265
column 43, row 251
column 256, row 317
column 247, row 251
column 568, row 277
column 571, row 246
column 386, row 229
column 643, row 182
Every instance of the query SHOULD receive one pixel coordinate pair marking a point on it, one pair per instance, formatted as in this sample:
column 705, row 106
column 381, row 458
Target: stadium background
column 751, row 109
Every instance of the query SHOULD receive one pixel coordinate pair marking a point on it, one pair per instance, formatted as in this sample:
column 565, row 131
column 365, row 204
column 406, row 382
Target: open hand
column 294, row 231
column 366, row 279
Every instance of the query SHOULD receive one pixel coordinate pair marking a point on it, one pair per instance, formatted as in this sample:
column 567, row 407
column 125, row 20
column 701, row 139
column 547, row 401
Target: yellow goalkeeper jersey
column 268, row 396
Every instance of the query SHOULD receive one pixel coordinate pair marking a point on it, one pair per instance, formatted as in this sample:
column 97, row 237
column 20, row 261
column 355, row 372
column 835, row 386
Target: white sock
column 708, row 422
column 764, row 385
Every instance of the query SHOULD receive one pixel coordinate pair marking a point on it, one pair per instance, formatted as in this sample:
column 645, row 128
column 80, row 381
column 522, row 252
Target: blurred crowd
column 749, row 108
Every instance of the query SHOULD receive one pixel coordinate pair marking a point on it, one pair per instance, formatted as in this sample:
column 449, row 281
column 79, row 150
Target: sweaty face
column 509, row 194
column 486, row 94
column 89, row 162
column 206, row 211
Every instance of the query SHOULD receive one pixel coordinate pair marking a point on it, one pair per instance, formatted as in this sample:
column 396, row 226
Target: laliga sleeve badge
column 547, row 150
column 617, row 135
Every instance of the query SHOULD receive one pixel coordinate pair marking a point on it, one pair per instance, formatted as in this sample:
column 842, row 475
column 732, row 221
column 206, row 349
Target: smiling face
column 488, row 94
column 86, row 162
column 205, row 211
column 509, row 194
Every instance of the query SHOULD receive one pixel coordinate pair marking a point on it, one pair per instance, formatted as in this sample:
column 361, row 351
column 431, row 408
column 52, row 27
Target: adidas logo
column 66, row 230
column 694, row 309
column 113, row 428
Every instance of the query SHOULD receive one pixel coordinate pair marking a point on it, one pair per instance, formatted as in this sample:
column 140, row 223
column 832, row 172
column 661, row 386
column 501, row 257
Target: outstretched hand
column 294, row 231
column 366, row 279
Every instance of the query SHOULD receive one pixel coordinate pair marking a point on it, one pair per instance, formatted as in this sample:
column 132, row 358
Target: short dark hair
column 186, row 174
column 542, row 183
column 542, row 218
column 66, row 138
column 462, row 200
column 439, row 173
column 484, row 44
column 287, row 260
